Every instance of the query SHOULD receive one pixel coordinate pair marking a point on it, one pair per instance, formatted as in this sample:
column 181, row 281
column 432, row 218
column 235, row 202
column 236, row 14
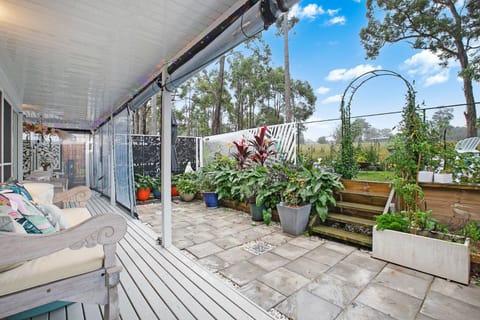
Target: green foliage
column 444, row 27
column 312, row 187
column 471, row 230
column 267, row 216
column 247, row 182
column 392, row 221
column 143, row 182
column 186, row 186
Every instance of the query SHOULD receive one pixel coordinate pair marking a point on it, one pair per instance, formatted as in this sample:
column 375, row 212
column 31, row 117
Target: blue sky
column 325, row 49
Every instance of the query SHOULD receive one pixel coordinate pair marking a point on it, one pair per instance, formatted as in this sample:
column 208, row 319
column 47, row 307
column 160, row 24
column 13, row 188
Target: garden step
column 343, row 218
column 351, row 237
column 360, row 207
column 365, row 193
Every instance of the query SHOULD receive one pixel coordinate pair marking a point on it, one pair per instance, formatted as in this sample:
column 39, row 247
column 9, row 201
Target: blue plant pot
column 211, row 199
column 156, row 193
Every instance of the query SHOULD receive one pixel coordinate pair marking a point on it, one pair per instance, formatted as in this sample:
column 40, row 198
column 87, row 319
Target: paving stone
column 305, row 306
column 182, row 243
column 219, row 223
column 358, row 311
column 441, row 307
column 204, row 249
column 365, row 260
column 333, row 290
column 276, row 238
column 243, row 272
column 247, row 235
column 201, row 237
column 289, row 251
column 213, row 263
column 227, row 242
column 469, row 294
column 284, row 281
column 202, row 227
column 235, row 255
column 339, row 247
column 262, row 294
column 263, row 229
column 423, row 317
column 306, row 267
column 269, row 261
column 307, row 242
column 403, row 282
column 396, row 304
column 354, row 274
column 180, row 224
column 325, row 255
column 411, row 272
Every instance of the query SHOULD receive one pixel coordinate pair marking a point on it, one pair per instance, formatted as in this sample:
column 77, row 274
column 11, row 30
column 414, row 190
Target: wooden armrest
column 104, row 230
column 79, row 194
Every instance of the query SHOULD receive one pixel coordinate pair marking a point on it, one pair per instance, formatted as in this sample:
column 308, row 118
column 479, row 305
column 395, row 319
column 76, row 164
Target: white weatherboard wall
column 441, row 258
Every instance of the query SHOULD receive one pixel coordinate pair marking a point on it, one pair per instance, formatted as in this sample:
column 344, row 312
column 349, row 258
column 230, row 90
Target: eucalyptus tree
column 284, row 25
column 448, row 28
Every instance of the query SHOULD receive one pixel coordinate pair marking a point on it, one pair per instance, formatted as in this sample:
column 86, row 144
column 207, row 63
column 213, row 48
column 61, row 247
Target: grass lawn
column 375, row 176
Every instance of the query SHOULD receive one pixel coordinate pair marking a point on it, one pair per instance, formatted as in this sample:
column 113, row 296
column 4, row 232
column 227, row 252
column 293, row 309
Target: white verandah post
column 166, row 163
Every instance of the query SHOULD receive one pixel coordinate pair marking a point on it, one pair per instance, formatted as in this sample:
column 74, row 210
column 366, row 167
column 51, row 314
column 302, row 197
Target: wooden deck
column 159, row 283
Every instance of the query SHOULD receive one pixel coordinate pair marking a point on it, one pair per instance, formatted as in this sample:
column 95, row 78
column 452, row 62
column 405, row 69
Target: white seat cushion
column 40, row 192
column 59, row 265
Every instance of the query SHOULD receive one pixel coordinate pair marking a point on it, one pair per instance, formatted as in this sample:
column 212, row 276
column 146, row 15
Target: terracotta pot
column 175, row 191
column 143, row 194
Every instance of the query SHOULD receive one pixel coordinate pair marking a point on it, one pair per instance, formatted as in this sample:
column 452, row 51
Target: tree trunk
column 288, row 111
column 471, row 113
column 216, row 123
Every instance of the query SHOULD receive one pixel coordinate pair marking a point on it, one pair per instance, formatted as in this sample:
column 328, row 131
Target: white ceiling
column 77, row 60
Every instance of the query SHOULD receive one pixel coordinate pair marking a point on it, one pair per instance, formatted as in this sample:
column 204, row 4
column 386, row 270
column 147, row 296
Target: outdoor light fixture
column 252, row 18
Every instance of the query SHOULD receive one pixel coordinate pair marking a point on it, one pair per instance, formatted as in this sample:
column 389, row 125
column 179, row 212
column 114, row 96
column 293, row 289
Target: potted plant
column 247, row 184
column 187, row 189
column 402, row 242
column 143, row 186
column 207, row 186
column 295, row 208
column 157, row 186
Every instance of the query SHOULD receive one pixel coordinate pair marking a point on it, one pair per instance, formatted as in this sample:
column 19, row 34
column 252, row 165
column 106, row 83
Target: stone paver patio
column 308, row 278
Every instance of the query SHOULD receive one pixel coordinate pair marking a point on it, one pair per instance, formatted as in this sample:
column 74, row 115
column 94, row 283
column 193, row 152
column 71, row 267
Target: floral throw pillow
column 16, row 187
column 26, row 214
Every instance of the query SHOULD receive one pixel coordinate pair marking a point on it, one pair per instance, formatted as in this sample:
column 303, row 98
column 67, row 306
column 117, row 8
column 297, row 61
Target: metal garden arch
column 348, row 164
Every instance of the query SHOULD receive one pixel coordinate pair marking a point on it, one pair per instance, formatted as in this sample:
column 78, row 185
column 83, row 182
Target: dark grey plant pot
column 294, row 220
column 257, row 212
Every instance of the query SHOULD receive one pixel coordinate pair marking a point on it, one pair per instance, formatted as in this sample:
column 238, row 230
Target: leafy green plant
column 312, row 187
column 471, row 230
column 267, row 216
column 186, row 186
column 392, row 221
column 143, row 182
column 249, row 181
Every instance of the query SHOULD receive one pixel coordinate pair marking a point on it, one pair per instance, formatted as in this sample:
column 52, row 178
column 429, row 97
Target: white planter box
column 443, row 178
column 450, row 260
column 425, row 176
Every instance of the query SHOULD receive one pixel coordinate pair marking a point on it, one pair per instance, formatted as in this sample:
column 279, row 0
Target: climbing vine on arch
column 347, row 164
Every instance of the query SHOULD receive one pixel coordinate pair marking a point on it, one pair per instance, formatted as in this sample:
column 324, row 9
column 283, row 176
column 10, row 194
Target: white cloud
column 322, row 90
column 425, row 65
column 310, row 11
column 332, row 12
column 332, row 99
column 440, row 77
column 337, row 20
column 349, row 74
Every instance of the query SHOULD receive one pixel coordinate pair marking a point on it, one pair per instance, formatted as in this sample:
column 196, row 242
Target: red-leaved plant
column 242, row 154
column 262, row 146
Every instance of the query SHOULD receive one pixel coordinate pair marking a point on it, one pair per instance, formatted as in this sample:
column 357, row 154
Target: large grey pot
column 294, row 220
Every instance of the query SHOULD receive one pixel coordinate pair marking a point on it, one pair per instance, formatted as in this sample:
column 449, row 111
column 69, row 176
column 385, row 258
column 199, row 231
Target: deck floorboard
column 159, row 283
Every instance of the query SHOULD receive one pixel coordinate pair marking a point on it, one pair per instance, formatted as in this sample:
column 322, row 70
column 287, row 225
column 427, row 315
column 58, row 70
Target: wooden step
column 357, row 238
column 360, row 207
column 366, row 194
column 343, row 218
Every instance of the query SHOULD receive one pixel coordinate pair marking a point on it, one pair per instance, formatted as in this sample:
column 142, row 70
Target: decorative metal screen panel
column 284, row 136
